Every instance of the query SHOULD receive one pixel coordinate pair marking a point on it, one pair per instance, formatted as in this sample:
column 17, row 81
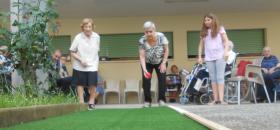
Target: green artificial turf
column 158, row 118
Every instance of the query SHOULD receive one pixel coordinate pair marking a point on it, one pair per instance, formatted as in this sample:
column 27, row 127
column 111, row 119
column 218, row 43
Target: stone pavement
column 261, row 116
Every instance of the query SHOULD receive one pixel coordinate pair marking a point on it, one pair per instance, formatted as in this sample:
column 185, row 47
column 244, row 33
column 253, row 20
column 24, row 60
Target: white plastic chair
column 112, row 86
column 276, row 91
column 132, row 86
column 154, row 88
column 257, row 78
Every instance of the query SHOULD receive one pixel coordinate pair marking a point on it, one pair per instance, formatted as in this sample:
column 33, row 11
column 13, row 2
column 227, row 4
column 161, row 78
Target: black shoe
column 260, row 100
column 91, row 107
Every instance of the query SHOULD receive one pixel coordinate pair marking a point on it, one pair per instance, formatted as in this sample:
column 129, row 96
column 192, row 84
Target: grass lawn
column 158, row 118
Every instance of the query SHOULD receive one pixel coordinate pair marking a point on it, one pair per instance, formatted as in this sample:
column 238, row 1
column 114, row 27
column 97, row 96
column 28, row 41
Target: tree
column 30, row 46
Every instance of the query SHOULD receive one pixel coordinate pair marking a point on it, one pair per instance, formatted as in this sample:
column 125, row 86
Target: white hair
column 230, row 45
column 149, row 24
column 267, row 48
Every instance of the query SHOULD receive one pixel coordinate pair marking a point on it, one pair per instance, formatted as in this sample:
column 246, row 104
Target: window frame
column 106, row 58
column 264, row 42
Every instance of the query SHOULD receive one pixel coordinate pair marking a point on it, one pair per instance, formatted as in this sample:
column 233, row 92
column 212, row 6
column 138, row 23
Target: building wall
column 179, row 25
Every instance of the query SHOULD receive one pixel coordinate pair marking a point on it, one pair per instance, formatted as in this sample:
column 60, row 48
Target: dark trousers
column 147, row 82
column 64, row 84
column 5, row 82
column 270, row 82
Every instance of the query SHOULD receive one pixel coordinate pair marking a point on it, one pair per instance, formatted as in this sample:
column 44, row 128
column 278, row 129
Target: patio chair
column 154, row 88
column 276, row 90
column 132, row 86
column 234, row 79
column 112, row 86
column 256, row 77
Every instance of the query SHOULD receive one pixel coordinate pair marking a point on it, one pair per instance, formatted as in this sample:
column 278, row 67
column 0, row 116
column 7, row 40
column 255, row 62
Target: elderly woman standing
column 153, row 53
column 84, row 49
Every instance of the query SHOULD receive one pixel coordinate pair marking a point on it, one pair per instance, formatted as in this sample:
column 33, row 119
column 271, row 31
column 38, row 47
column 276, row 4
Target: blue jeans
column 216, row 70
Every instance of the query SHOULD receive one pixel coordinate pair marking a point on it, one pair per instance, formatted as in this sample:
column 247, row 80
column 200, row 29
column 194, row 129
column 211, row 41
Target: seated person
column 63, row 72
column 173, row 81
column 6, row 66
column 63, row 80
column 173, row 78
column 99, row 90
column 271, row 71
column 230, row 59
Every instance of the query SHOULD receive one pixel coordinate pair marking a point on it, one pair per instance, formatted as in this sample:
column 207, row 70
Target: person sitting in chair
column 271, row 71
column 6, row 66
column 230, row 59
column 99, row 90
column 63, row 80
column 173, row 77
column 173, row 82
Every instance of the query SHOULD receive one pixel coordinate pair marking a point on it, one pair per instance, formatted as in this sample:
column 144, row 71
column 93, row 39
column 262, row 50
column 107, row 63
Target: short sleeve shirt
column 269, row 62
column 87, row 48
column 154, row 54
column 214, row 47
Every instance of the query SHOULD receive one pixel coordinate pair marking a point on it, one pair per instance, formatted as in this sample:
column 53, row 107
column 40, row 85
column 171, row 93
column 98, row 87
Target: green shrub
column 20, row 100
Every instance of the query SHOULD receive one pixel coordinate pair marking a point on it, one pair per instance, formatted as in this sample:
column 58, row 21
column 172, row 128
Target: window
column 247, row 42
column 62, row 42
column 125, row 46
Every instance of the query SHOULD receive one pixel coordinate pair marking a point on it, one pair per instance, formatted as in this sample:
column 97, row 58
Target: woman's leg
column 221, row 64
column 161, row 83
column 80, row 90
column 92, row 83
column 212, row 74
column 91, row 94
column 147, row 84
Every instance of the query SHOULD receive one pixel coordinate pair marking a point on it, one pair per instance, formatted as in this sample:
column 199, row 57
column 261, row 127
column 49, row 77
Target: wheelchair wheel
column 184, row 100
column 205, row 98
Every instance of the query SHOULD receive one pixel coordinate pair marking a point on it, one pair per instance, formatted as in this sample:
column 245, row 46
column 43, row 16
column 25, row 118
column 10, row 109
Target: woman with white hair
column 230, row 59
column 84, row 49
column 231, row 53
column 153, row 53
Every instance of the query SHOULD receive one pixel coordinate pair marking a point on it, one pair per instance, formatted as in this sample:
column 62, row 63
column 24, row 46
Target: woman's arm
column 78, row 58
column 200, row 47
column 142, row 59
column 165, row 58
column 225, row 41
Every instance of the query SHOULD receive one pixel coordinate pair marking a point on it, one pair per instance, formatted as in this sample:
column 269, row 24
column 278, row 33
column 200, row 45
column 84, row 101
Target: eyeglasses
column 56, row 56
column 148, row 31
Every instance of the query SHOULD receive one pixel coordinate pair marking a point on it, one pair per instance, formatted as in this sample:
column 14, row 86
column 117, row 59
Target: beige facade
column 179, row 25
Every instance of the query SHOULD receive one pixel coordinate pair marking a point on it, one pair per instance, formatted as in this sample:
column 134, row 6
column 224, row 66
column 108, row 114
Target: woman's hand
column 84, row 63
column 271, row 70
column 147, row 74
column 226, row 56
column 199, row 60
column 265, row 70
column 162, row 67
